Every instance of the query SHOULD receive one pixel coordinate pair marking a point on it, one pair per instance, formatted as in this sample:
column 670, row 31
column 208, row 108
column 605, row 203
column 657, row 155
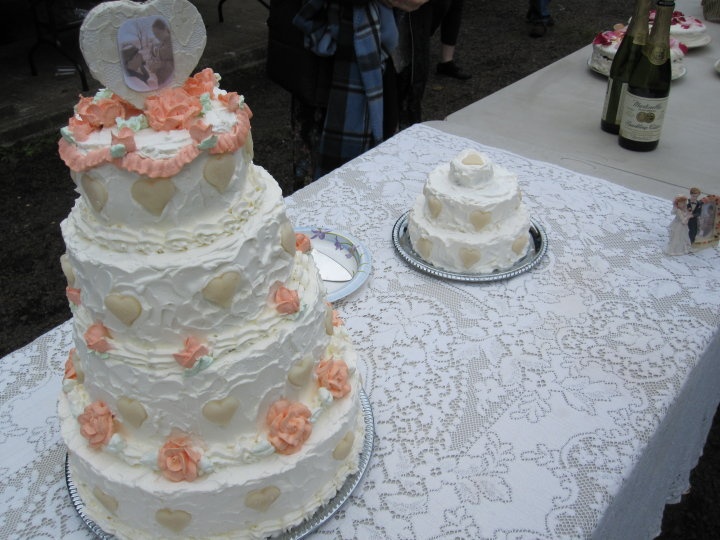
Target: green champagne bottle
column 646, row 96
column 622, row 65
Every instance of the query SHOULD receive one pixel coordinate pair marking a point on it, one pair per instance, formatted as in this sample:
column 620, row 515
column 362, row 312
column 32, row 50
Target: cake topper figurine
column 694, row 206
column 137, row 49
column 679, row 241
column 696, row 223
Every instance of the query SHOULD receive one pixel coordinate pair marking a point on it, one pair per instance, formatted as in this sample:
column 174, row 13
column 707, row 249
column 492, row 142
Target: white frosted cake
column 211, row 392
column 470, row 217
column 688, row 30
column 605, row 45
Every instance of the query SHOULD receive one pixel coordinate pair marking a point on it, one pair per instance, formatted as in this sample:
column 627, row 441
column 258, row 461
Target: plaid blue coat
column 359, row 37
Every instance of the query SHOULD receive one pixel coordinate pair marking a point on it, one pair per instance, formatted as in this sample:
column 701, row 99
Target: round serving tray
column 347, row 251
column 323, row 513
column 538, row 247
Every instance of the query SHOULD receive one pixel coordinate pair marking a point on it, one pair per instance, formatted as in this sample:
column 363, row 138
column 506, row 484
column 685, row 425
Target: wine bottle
column 622, row 65
column 646, row 96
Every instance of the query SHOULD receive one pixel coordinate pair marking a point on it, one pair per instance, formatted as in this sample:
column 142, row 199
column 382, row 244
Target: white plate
column 700, row 43
column 345, row 250
column 676, row 73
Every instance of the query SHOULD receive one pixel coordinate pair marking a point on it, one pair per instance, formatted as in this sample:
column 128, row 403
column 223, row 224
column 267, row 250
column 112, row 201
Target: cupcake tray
column 538, row 248
column 323, row 514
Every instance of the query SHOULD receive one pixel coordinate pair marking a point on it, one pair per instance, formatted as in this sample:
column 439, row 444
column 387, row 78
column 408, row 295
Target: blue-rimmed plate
column 347, row 251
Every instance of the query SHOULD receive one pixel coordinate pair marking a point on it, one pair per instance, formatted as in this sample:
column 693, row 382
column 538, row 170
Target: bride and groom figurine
column 696, row 223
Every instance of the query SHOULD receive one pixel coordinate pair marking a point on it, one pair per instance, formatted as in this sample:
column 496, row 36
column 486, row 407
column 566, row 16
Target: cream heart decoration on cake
column 221, row 411
column 67, row 269
column 342, row 450
column 424, row 247
column 219, row 170
column 329, row 328
column 300, row 371
column 261, row 499
column 220, row 290
column 110, row 27
column 520, row 243
column 125, row 307
column 153, row 194
column 434, row 206
column 74, row 357
column 249, row 147
column 106, row 500
column 175, row 520
column 469, row 256
column 473, row 158
column 95, row 192
column 287, row 238
column 480, row 219
column 132, row 411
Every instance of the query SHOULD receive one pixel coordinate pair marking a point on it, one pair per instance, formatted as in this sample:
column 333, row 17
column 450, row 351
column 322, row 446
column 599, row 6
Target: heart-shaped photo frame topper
column 137, row 49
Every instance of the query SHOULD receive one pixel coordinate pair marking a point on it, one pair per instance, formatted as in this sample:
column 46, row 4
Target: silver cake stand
column 302, row 530
column 538, row 248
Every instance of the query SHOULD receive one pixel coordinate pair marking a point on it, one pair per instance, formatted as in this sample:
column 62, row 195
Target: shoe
column 539, row 27
column 537, row 30
column 450, row 69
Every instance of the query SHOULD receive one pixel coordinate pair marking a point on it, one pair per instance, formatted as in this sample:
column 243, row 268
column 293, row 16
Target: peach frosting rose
column 194, row 349
column 199, row 130
column 96, row 337
column 201, row 83
column 231, row 100
column 289, row 426
column 333, row 375
column 302, row 242
column 173, row 108
column 178, row 459
column 73, row 295
column 287, row 301
column 81, row 129
column 70, row 372
column 96, row 424
column 101, row 112
column 126, row 137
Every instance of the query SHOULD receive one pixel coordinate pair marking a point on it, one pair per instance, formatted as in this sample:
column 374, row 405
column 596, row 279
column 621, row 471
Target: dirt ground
column 36, row 191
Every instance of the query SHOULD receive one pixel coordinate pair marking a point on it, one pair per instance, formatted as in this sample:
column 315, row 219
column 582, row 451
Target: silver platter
column 302, row 530
column 538, row 247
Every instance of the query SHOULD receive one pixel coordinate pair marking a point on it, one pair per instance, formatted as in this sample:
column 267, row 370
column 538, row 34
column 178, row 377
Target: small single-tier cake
column 470, row 217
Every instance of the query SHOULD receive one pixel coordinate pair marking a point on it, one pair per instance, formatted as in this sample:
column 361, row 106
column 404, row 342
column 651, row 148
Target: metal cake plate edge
column 321, row 515
column 402, row 244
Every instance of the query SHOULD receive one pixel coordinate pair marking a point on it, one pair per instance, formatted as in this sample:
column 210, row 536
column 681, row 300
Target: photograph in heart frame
column 136, row 49
column 146, row 53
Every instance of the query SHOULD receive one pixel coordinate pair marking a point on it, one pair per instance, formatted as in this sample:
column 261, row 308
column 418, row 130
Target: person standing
column 538, row 16
column 162, row 60
column 449, row 31
column 331, row 55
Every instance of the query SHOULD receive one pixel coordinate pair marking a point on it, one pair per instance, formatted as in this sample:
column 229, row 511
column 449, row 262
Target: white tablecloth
column 571, row 401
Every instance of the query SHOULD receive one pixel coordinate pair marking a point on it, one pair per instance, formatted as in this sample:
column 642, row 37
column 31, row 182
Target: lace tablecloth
column 570, row 401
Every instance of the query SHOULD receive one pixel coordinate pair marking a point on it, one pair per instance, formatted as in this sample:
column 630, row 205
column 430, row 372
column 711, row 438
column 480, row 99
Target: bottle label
column 612, row 88
column 642, row 117
column 657, row 55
